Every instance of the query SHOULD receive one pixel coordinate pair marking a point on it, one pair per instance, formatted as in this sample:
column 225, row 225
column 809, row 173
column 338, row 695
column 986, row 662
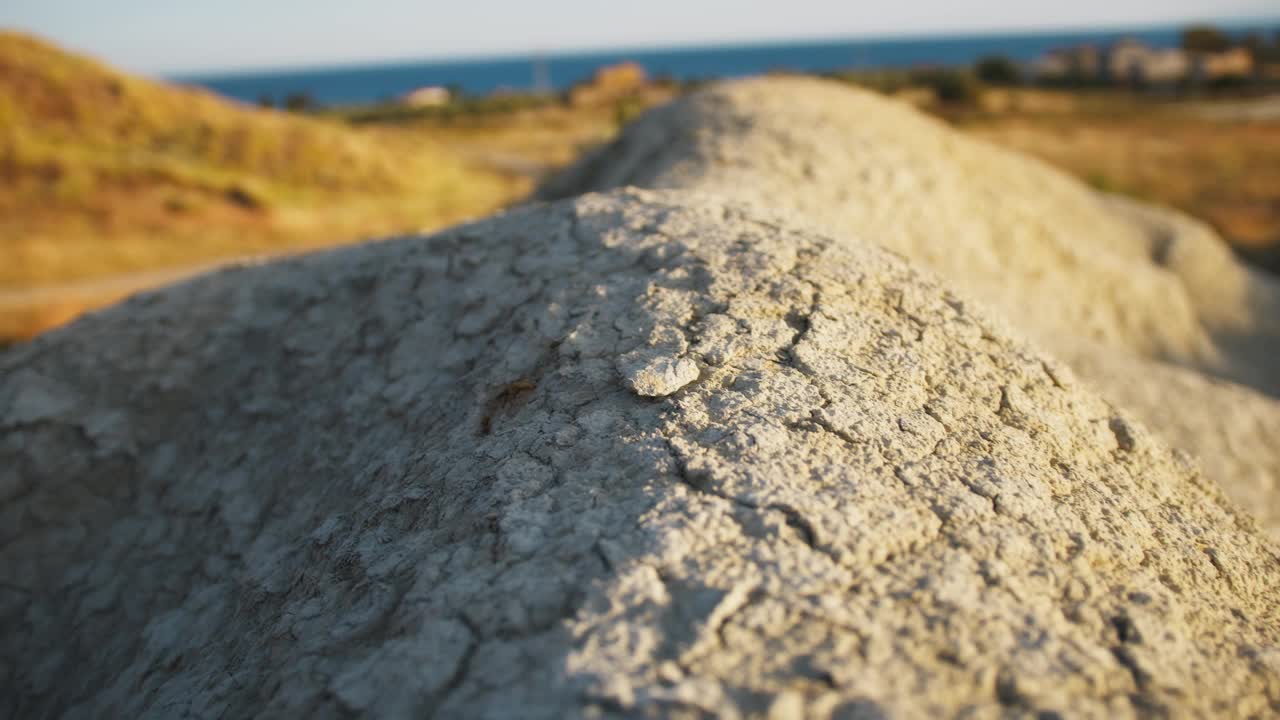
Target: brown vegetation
column 103, row 174
column 1223, row 168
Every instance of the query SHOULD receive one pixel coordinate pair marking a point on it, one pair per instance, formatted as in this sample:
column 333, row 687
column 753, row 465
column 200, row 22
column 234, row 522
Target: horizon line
column 1236, row 23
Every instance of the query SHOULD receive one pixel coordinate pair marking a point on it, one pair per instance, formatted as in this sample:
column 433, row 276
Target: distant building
column 1126, row 60
column 1166, row 67
column 1131, row 61
column 432, row 96
column 1087, row 61
column 1053, row 65
column 1082, row 63
column 1233, row 63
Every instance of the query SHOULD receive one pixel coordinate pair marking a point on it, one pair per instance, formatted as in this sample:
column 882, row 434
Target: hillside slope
column 103, row 173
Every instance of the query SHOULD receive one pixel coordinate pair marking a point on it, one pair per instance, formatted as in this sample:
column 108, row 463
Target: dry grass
column 103, row 174
column 1223, row 171
column 110, row 183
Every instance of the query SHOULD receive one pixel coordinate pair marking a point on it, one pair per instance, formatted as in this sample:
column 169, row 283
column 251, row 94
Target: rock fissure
column 459, row 675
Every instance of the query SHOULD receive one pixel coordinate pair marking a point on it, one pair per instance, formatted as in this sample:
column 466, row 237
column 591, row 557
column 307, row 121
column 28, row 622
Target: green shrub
column 953, row 87
column 1103, row 182
column 628, row 109
column 881, row 80
column 299, row 102
column 997, row 70
column 1204, row 39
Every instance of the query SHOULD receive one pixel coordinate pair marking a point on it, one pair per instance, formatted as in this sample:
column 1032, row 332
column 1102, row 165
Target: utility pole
column 541, row 75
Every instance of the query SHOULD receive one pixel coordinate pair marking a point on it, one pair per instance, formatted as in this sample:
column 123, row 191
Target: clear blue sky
column 165, row 36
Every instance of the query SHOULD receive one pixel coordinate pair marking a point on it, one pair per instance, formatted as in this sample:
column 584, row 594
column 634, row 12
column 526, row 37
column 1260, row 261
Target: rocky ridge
column 635, row 454
column 1129, row 294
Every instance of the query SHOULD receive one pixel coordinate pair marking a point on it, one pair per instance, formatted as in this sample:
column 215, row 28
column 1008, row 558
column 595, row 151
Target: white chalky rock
column 662, row 376
column 1114, row 287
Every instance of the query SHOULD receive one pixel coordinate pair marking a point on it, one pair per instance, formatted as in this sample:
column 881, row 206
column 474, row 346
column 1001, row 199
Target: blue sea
column 373, row 83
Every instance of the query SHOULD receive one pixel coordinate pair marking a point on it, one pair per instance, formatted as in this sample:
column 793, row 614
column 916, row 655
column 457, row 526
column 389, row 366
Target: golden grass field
column 106, row 177
column 1210, row 160
column 110, row 183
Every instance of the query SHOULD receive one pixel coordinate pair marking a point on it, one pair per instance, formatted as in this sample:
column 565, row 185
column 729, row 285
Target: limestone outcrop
column 635, row 454
column 1099, row 281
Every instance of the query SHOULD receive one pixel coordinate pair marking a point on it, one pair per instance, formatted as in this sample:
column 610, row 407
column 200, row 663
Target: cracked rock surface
column 629, row 455
column 1103, row 282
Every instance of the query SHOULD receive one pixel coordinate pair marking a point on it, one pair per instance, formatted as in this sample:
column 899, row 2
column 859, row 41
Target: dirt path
column 27, row 312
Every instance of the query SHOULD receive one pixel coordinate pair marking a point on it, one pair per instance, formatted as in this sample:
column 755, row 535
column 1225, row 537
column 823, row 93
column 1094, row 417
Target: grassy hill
column 103, row 173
